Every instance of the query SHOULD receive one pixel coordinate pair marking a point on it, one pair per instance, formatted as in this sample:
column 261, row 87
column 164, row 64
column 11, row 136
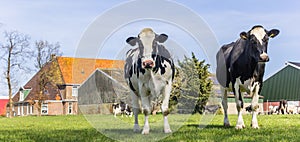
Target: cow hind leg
column 165, row 108
column 225, row 107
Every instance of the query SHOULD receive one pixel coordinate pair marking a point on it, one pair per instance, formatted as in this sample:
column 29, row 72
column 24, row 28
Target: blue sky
column 67, row 21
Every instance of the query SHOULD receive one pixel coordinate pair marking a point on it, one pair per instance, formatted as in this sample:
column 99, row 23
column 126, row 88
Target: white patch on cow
column 147, row 36
column 264, row 56
column 259, row 33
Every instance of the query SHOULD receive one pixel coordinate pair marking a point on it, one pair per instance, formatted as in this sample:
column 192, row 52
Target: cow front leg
column 225, row 107
column 255, row 106
column 147, row 110
column 165, row 106
column 136, row 110
column 240, row 122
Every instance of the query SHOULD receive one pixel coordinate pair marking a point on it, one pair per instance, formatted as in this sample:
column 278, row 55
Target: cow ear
column 162, row 38
column 131, row 40
column 244, row 35
column 273, row 33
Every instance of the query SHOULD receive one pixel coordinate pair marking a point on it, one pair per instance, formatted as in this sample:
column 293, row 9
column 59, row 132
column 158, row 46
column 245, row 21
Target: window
column 70, row 108
column 27, row 109
column 44, row 109
column 31, row 109
column 21, row 96
column 75, row 91
column 46, row 92
column 19, row 106
column 22, row 110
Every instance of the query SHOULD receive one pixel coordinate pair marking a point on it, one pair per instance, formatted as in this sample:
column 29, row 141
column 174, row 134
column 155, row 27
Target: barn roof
column 284, row 84
column 294, row 64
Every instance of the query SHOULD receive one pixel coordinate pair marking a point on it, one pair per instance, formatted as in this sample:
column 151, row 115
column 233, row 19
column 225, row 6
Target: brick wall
column 55, row 108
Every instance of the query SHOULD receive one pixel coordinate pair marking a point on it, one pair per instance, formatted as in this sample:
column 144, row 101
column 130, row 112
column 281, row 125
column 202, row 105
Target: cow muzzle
column 148, row 64
column 264, row 57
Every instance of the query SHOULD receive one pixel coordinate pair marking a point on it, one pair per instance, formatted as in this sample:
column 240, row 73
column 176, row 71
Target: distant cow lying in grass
column 121, row 108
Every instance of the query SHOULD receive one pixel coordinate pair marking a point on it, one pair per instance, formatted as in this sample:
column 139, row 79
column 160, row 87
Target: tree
column 191, row 86
column 16, row 52
column 48, row 70
column 45, row 51
column 48, row 77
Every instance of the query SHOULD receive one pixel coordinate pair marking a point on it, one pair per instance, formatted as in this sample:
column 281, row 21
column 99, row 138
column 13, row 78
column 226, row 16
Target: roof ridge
column 293, row 64
column 87, row 58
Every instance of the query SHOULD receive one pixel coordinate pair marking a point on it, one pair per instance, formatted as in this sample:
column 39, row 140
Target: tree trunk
column 40, row 101
column 9, row 85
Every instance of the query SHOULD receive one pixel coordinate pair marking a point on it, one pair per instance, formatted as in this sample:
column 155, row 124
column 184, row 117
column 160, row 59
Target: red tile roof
column 76, row 70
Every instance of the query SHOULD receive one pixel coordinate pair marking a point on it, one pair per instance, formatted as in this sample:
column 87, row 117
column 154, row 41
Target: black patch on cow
column 160, row 54
column 258, row 75
column 242, row 60
column 139, row 67
column 130, row 85
column 128, row 66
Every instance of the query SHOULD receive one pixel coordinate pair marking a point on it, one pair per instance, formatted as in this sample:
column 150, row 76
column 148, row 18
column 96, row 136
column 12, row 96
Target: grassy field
column 185, row 128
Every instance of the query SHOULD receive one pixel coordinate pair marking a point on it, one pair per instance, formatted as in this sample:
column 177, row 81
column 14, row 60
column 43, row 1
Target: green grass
column 185, row 128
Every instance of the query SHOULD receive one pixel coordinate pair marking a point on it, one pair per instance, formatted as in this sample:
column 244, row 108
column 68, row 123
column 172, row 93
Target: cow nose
column 148, row 64
column 264, row 57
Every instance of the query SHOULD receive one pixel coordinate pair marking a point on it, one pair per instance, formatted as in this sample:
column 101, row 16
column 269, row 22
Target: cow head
column 258, row 38
column 147, row 42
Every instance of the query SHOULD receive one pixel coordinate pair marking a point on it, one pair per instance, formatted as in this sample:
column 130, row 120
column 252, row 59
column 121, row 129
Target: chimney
column 53, row 56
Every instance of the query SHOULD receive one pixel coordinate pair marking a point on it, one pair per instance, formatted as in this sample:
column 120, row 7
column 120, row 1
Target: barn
column 284, row 84
column 100, row 90
column 3, row 102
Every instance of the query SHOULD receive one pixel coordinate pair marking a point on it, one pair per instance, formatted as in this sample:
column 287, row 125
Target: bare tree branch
column 15, row 47
column 44, row 51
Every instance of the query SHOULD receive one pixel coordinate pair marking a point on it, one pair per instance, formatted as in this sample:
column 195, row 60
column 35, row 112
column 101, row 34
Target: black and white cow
column 283, row 107
column 122, row 108
column 241, row 66
column 149, row 71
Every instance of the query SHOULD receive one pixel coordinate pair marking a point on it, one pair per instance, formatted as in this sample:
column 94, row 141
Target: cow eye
column 253, row 41
column 265, row 39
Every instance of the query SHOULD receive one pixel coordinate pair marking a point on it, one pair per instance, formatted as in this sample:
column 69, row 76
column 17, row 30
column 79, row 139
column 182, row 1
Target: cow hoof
column 167, row 131
column 136, row 128
column 227, row 124
column 254, row 125
column 145, row 132
column 239, row 127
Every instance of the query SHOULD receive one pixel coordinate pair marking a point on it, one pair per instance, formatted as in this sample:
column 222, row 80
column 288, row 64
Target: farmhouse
column 60, row 96
column 283, row 85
